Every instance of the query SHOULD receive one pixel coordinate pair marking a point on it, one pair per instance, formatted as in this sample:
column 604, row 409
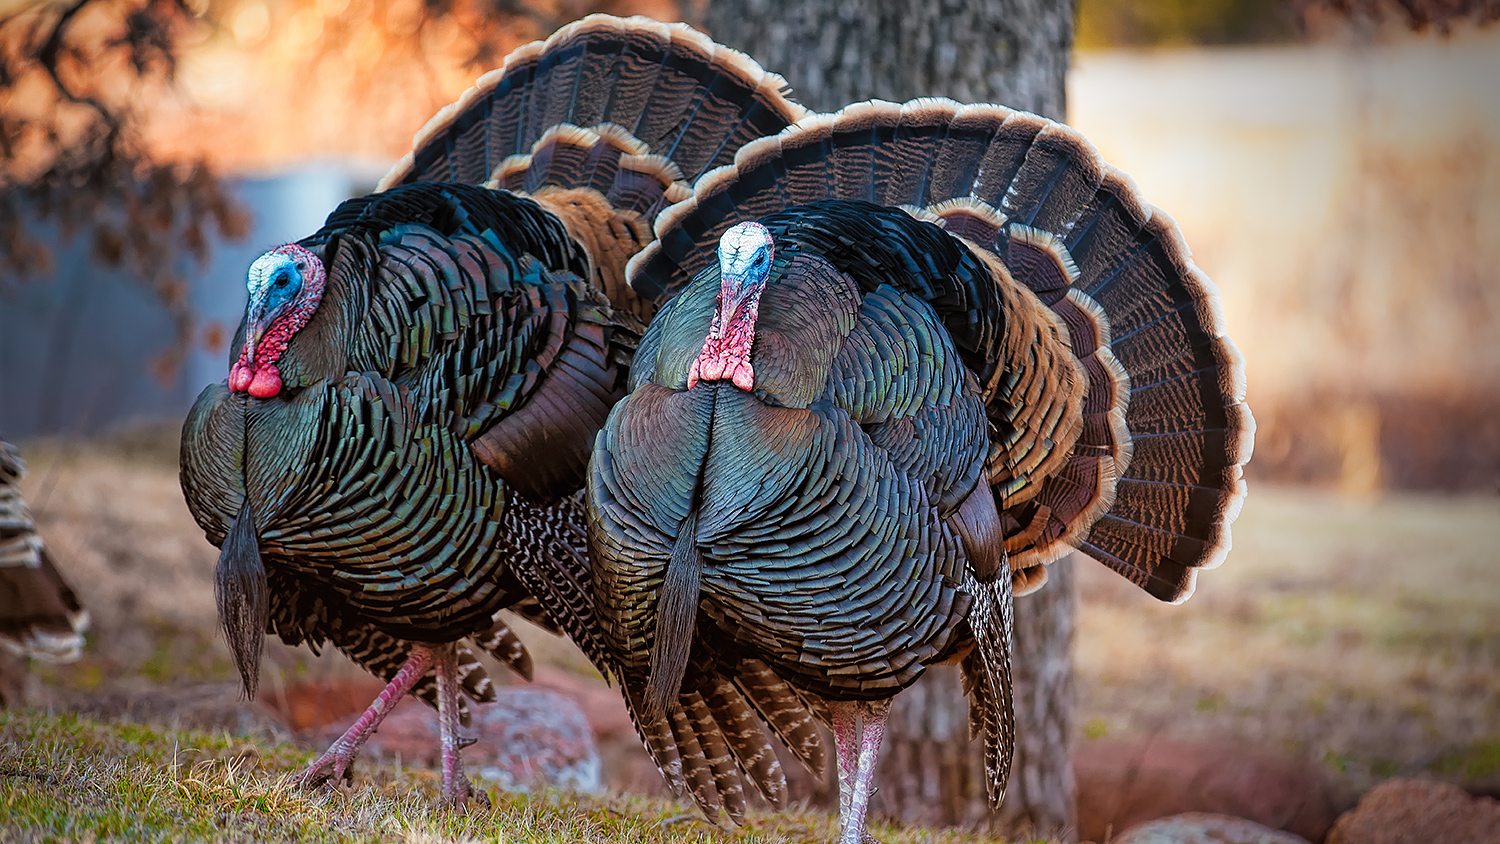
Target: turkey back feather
column 40, row 616
column 1116, row 399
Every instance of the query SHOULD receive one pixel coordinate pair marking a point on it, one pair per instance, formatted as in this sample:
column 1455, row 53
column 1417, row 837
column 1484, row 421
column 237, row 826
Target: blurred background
column 1335, row 167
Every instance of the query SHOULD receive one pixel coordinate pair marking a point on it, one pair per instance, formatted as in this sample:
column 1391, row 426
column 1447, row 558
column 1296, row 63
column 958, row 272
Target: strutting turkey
column 40, row 617
column 399, row 450
column 935, row 343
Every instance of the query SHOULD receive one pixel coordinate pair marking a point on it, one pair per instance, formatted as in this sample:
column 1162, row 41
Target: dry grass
column 70, row 778
column 1360, row 632
column 1365, row 633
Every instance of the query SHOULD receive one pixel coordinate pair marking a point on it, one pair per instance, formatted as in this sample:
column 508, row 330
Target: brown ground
column 1361, row 633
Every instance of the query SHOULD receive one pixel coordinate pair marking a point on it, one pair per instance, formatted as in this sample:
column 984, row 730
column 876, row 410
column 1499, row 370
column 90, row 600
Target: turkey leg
column 335, row 763
column 858, row 729
column 454, row 791
column 846, row 747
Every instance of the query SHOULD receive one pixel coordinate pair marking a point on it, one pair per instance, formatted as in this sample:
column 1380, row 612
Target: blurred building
column 78, row 349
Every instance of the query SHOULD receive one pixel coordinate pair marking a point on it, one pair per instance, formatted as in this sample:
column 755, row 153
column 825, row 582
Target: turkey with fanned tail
column 397, row 453
column 914, row 353
column 40, row 616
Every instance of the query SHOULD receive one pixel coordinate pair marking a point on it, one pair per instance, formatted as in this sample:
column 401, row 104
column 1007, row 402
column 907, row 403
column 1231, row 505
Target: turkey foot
column 454, row 789
column 858, row 728
column 337, row 761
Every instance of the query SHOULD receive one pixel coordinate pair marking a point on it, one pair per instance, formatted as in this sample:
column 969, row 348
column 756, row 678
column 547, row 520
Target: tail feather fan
column 1156, row 457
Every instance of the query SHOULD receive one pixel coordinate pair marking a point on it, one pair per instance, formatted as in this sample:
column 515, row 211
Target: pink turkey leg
column 334, row 764
column 455, row 786
column 862, row 743
column 846, row 746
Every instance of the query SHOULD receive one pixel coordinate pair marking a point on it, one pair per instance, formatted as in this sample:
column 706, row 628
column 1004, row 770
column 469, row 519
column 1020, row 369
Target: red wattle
column 240, row 377
column 720, row 365
column 266, row 384
column 262, row 379
column 726, row 355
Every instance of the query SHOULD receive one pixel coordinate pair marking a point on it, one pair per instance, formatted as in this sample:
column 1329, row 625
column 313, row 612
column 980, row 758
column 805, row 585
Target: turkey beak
column 255, row 330
column 729, row 308
column 257, row 324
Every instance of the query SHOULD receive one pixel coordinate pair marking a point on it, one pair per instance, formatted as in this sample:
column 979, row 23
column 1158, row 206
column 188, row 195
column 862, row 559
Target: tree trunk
column 1013, row 52
column 835, row 52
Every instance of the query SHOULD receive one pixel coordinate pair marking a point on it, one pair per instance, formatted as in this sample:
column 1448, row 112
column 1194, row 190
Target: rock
column 319, row 711
column 1122, row 784
column 627, row 767
column 601, row 703
column 534, row 737
column 1205, row 828
column 305, row 707
column 528, row 738
column 1419, row 812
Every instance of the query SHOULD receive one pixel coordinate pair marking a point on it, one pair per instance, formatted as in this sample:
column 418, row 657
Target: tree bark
column 1013, row 52
column 835, row 52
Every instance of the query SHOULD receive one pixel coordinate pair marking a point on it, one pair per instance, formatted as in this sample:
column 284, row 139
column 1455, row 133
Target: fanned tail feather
column 42, row 617
column 667, row 86
column 657, row 737
column 503, row 644
column 742, row 733
column 717, row 757
column 788, row 714
column 605, row 159
column 709, row 738
column 1118, row 406
column 1191, row 430
column 605, row 124
column 697, row 770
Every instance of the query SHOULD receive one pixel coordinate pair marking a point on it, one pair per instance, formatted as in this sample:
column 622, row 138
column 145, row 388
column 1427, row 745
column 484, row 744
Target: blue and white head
column 274, row 281
column 285, row 285
column 745, row 254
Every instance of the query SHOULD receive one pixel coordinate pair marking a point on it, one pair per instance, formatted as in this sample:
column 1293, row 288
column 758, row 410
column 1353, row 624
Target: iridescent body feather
column 414, row 393
column 976, row 348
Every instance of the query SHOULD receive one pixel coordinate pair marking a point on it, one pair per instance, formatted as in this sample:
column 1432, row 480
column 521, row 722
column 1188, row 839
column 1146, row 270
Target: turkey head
column 285, row 285
column 745, row 254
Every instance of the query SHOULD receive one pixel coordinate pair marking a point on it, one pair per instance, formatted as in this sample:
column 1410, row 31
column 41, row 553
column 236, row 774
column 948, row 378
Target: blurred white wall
column 1345, row 198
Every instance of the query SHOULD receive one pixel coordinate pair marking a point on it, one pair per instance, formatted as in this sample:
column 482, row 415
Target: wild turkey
column 399, row 450
column 933, row 339
column 40, row 617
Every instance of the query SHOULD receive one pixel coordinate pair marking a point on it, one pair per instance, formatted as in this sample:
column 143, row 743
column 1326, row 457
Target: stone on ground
column 1205, row 828
column 1122, row 784
column 527, row 739
column 1419, row 812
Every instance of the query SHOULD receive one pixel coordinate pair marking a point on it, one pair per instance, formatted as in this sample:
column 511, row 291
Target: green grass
column 1478, row 761
column 67, row 778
